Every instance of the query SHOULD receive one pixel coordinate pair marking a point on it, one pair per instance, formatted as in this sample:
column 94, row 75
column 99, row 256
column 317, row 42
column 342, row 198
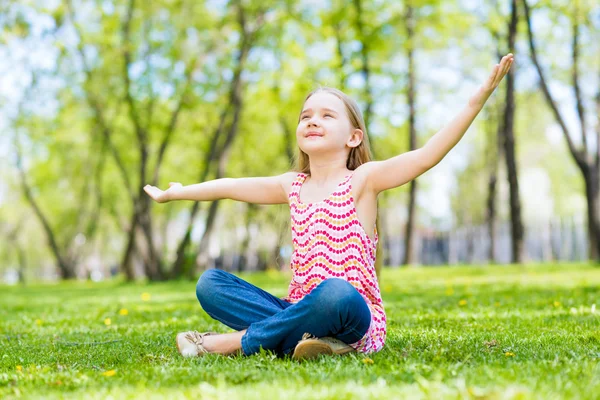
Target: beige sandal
column 311, row 347
column 190, row 344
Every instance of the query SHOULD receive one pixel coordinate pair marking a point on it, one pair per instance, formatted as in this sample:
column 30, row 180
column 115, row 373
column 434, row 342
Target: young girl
column 333, row 304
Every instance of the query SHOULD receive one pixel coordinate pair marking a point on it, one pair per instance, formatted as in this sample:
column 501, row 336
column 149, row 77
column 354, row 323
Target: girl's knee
column 339, row 295
column 336, row 288
column 206, row 283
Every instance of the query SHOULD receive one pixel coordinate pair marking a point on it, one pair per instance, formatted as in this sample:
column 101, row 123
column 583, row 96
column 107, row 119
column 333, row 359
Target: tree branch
column 575, row 79
column 174, row 117
column 63, row 265
column 576, row 153
column 135, row 118
column 96, row 107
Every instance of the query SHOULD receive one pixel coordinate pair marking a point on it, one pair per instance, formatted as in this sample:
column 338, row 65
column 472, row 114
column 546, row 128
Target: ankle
column 209, row 343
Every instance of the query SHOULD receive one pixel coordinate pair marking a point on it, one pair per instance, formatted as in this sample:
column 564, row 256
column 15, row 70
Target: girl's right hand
column 161, row 196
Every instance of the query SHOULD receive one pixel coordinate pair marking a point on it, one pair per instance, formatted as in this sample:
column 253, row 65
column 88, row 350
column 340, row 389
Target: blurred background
column 100, row 97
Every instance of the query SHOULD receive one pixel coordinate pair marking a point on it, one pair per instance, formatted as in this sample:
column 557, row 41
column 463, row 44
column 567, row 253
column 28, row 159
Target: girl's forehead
column 324, row 100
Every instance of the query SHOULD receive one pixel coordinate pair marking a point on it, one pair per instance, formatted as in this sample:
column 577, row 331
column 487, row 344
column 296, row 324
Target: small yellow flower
column 367, row 360
column 107, row 321
column 556, row 303
column 112, row 372
column 272, row 273
column 509, row 354
column 38, row 321
column 123, row 311
column 19, row 368
column 387, row 288
column 145, row 296
column 449, row 291
column 497, row 304
column 463, row 302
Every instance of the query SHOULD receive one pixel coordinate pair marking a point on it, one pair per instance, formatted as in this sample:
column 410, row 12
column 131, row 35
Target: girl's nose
column 313, row 121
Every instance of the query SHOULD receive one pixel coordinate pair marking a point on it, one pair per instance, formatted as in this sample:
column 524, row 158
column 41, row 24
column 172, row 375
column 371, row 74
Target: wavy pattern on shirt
column 330, row 242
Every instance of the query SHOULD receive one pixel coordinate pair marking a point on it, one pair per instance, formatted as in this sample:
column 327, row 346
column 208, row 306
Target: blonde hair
column 359, row 155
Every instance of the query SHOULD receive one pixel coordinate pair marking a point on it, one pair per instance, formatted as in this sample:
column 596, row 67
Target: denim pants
column 334, row 308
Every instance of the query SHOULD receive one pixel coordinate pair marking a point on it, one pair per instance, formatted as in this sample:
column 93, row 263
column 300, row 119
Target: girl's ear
column 356, row 138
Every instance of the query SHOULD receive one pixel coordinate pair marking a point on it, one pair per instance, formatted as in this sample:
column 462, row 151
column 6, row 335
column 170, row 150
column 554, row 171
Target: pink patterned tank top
column 330, row 242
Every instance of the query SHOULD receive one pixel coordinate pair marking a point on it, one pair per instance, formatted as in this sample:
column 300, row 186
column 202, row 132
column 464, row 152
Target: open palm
column 162, row 196
column 498, row 73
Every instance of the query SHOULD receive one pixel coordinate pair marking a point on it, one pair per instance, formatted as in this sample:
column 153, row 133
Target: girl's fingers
column 152, row 191
column 493, row 76
column 499, row 71
column 506, row 69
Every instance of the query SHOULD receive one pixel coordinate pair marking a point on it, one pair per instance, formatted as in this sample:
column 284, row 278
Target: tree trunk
column 509, row 148
column 591, row 195
column 495, row 149
column 251, row 211
column 409, row 251
column 491, row 215
column 203, row 247
column 412, row 137
column 21, row 256
column 126, row 259
column 153, row 266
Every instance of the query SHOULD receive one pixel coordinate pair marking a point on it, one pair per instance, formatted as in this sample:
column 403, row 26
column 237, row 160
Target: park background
column 100, row 97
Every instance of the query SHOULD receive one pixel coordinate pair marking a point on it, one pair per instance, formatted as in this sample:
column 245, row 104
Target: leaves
column 80, row 95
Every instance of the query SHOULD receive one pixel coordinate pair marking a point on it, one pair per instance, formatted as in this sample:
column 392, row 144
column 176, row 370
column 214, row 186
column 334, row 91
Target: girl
column 333, row 304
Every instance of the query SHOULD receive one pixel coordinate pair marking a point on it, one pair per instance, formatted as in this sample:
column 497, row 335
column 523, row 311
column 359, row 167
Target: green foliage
column 302, row 45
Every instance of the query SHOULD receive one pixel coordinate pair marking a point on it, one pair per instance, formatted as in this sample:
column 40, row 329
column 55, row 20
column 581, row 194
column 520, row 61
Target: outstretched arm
column 259, row 190
column 396, row 171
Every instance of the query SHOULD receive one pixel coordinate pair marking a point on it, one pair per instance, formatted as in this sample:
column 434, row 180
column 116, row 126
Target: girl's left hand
column 163, row 196
column 492, row 82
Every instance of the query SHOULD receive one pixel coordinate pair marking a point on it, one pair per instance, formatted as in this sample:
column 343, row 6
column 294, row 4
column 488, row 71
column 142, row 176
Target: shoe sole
column 311, row 349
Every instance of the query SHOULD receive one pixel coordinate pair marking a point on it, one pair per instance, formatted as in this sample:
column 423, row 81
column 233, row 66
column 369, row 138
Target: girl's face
column 324, row 124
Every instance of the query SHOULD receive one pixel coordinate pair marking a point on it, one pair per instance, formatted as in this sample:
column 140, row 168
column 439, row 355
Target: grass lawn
column 453, row 332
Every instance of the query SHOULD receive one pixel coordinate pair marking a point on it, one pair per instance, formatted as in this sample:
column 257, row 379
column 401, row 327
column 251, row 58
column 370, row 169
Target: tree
column 226, row 131
column 586, row 158
column 508, row 141
column 409, row 256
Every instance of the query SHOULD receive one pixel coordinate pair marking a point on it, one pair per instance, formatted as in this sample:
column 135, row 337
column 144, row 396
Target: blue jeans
column 334, row 308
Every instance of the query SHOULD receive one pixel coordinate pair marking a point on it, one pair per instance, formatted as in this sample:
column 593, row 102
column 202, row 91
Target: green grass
column 490, row 332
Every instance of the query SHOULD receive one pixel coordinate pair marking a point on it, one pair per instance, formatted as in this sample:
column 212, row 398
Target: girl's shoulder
column 288, row 179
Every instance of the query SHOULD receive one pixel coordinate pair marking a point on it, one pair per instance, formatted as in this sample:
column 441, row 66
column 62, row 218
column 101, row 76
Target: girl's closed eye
column 328, row 115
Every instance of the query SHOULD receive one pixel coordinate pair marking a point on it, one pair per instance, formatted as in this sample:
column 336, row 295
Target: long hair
column 358, row 155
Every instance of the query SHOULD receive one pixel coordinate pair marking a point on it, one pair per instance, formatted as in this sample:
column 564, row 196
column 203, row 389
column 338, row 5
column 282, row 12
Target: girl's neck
column 324, row 174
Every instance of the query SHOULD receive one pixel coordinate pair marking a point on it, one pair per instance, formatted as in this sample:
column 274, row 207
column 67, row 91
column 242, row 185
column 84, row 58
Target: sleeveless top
column 330, row 242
